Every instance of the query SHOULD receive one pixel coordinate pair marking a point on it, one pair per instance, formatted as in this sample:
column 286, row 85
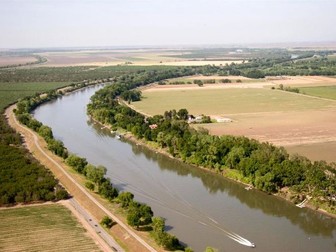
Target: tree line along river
column 201, row 208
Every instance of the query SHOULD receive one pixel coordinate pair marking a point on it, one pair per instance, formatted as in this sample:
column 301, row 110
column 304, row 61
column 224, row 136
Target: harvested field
column 42, row 228
column 328, row 92
column 15, row 60
column 226, row 101
column 303, row 81
column 280, row 117
column 317, row 151
column 120, row 57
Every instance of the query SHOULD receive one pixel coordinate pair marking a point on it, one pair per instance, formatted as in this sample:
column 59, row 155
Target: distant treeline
column 267, row 167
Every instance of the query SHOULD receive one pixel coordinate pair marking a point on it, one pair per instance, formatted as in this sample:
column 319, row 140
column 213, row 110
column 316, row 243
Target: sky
column 85, row 23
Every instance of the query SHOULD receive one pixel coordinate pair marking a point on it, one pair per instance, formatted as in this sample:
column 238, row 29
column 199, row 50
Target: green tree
column 76, row 162
column 95, row 174
column 125, row 199
column 89, row 186
column 106, row 222
column 183, row 114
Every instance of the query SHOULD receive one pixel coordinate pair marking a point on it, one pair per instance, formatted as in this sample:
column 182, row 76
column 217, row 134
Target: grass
column 225, row 101
column 42, row 228
column 11, row 92
column 324, row 92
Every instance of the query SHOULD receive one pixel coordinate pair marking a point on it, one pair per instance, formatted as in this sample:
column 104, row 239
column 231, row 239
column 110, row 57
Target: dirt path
column 38, row 148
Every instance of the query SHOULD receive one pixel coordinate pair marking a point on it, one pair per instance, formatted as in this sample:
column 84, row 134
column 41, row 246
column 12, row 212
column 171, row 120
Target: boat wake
column 240, row 239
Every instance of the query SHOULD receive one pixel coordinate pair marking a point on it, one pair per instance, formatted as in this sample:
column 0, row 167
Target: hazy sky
column 62, row 23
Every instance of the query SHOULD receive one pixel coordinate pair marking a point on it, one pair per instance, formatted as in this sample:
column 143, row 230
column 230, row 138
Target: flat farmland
column 216, row 101
column 138, row 57
column 15, row 60
column 42, row 228
column 257, row 111
column 328, row 92
column 11, row 92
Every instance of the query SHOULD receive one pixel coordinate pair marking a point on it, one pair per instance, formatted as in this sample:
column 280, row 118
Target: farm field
column 15, row 60
column 139, row 57
column 282, row 118
column 42, row 228
column 328, row 92
column 11, row 92
column 326, row 151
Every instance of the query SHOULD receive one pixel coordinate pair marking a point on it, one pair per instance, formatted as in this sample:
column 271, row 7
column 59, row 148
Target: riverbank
column 229, row 174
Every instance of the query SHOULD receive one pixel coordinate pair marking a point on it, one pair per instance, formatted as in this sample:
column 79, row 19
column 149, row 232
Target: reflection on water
column 201, row 208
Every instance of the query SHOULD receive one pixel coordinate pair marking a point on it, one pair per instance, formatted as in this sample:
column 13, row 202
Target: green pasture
column 324, row 92
column 226, row 101
column 11, row 92
column 42, row 228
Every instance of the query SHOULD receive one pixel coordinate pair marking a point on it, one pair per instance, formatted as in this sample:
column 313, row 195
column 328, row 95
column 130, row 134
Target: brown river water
column 202, row 209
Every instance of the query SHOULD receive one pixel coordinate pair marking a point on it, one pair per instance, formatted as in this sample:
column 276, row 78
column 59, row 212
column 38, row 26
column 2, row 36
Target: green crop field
column 324, row 92
column 42, row 228
column 225, row 101
column 11, row 92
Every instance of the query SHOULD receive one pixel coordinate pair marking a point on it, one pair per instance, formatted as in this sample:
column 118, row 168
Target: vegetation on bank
column 265, row 166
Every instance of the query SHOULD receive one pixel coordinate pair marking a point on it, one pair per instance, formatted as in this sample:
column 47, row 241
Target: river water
column 202, row 209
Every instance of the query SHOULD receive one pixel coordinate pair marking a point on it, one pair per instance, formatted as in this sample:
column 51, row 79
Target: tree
column 125, row 199
column 62, row 194
column 95, row 174
column 89, row 186
column 255, row 74
column 76, row 162
column 45, row 132
column 183, row 114
column 106, row 222
column 107, row 190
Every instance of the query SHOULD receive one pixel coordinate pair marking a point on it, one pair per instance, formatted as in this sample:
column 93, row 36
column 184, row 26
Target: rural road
column 96, row 226
column 10, row 113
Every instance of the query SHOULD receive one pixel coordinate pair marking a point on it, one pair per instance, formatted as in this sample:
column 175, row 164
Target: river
column 202, row 209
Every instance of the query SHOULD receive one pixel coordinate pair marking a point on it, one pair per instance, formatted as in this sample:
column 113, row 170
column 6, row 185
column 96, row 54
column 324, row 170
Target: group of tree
column 288, row 88
column 22, row 178
column 138, row 215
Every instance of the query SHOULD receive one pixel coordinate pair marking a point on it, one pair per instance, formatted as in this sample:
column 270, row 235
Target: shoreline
column 130, row 137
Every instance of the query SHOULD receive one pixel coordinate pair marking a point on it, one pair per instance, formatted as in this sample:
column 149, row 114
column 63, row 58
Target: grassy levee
column 42, row 228
column 328, row 92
